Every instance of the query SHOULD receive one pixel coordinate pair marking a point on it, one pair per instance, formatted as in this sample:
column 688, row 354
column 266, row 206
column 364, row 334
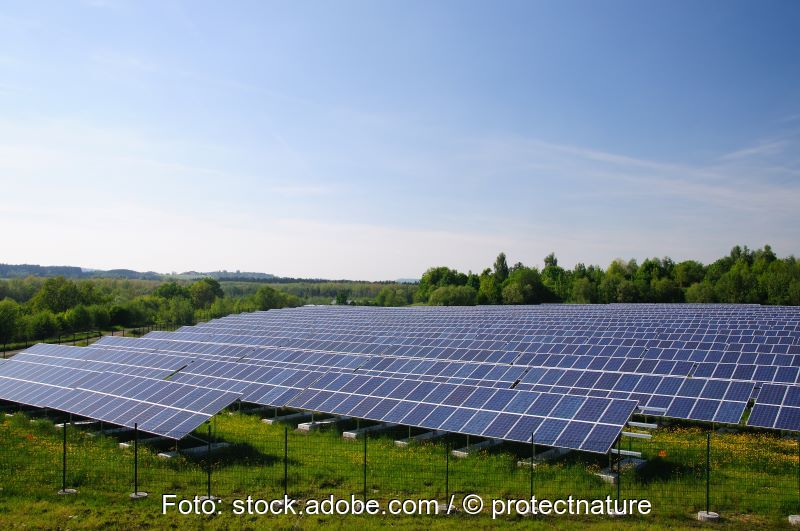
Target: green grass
column 754, row 481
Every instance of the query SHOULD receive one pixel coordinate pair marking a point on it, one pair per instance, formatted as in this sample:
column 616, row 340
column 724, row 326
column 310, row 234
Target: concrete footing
column 138, row 495
column 355, row 434
column 610, row 476
column 149, row 440
column 65, row 492
column 794, row 519
column 709, row 516
column 427, row 436
column 472, row 448
column 320, row 424
column 78, row 423
column 195, row 450
column 543, row 457
column 111, row 431
column 293, row 417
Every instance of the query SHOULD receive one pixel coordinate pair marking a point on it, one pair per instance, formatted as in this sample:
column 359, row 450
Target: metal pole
column 64, row 461
column 619, row 467
column 135, row 458
column 365, row 468
column 447, row 472
column 533, row 454
column 708, row 471
column 798, row 467
column 208, row 480
column 285, row 461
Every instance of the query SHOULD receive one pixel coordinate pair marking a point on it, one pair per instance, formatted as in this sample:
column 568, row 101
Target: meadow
column 753, row 477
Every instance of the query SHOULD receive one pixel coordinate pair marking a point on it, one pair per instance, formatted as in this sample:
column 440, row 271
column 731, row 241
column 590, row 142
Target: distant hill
column 32, row 270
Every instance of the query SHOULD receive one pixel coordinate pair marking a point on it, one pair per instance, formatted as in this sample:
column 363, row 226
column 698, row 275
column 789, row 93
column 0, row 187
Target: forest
column 45, row 307
column 744, row 276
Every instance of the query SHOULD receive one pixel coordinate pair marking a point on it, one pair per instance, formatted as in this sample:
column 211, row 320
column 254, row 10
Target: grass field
column 753, row 478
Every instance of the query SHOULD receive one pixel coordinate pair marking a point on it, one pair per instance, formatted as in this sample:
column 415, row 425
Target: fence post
column 64, row 489
column 365, row 467
column 533, row 454
column 208, row 480
column 285, row 462
column 447, row 473
column 708, row 472
column 136, row 494
column 619, row 467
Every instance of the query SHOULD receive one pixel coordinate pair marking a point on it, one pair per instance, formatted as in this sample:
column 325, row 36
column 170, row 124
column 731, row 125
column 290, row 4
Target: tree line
column 36, row 308
column 744, row 276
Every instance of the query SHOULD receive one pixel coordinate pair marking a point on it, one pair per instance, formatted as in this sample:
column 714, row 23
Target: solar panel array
column 111, row 386
column 570, row 375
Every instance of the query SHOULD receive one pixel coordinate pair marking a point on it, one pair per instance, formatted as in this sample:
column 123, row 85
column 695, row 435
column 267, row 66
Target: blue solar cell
column 771, row 394
column 549, row 431
column 692, row 388
column 618, row 413
column 792, row 397
column 419, row 412
column 458, row 419
column 704, row 409
column 521, row 402
column 567, row 407
column 763, row 415
column 360, row 409
column 501, row 425
column 499, row 400
column 399, row 411
column 524, row 428
column 543, row 405
column 730, row 412
column 478, row 397
column 788, row 419
column 786, row 375
column 739, row 391
column 437, row 416
column 591, row 410
column 680, row 407
column 715, row 389
column 574, row 434
column 478, row 423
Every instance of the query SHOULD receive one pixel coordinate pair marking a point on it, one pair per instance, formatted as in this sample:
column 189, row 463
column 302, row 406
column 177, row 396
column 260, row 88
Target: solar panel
column 777, row 407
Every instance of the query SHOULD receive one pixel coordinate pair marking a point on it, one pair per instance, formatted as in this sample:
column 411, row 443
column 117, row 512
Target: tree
column 56, row 295
column 583, row 291
column 524, row 286
column 9, row 320
column 342, row 297
column 78, row 319
column 453, row 296
column 501, row 268
column 170, row 290
column 268, row 298
column 205, row 291
column 437, row 277
column 42, row 325
column 490, row 291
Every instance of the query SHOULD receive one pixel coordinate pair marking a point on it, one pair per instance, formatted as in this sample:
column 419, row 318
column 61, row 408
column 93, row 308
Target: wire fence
column 747, row 477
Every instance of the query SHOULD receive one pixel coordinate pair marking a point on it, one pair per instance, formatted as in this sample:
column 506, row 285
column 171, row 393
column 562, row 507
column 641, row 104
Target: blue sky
column 375, row 139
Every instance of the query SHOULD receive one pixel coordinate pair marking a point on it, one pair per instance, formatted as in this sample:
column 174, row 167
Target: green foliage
column 170, row 290
column 453, row 296
column 9, row 320
column 342, row 297
column 744, row 276
column 501, row 268
column 268, row 298
column 437, row 277
column 205, row 291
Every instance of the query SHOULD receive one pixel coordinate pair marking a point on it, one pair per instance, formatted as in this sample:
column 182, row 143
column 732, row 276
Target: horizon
column 372, row 141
